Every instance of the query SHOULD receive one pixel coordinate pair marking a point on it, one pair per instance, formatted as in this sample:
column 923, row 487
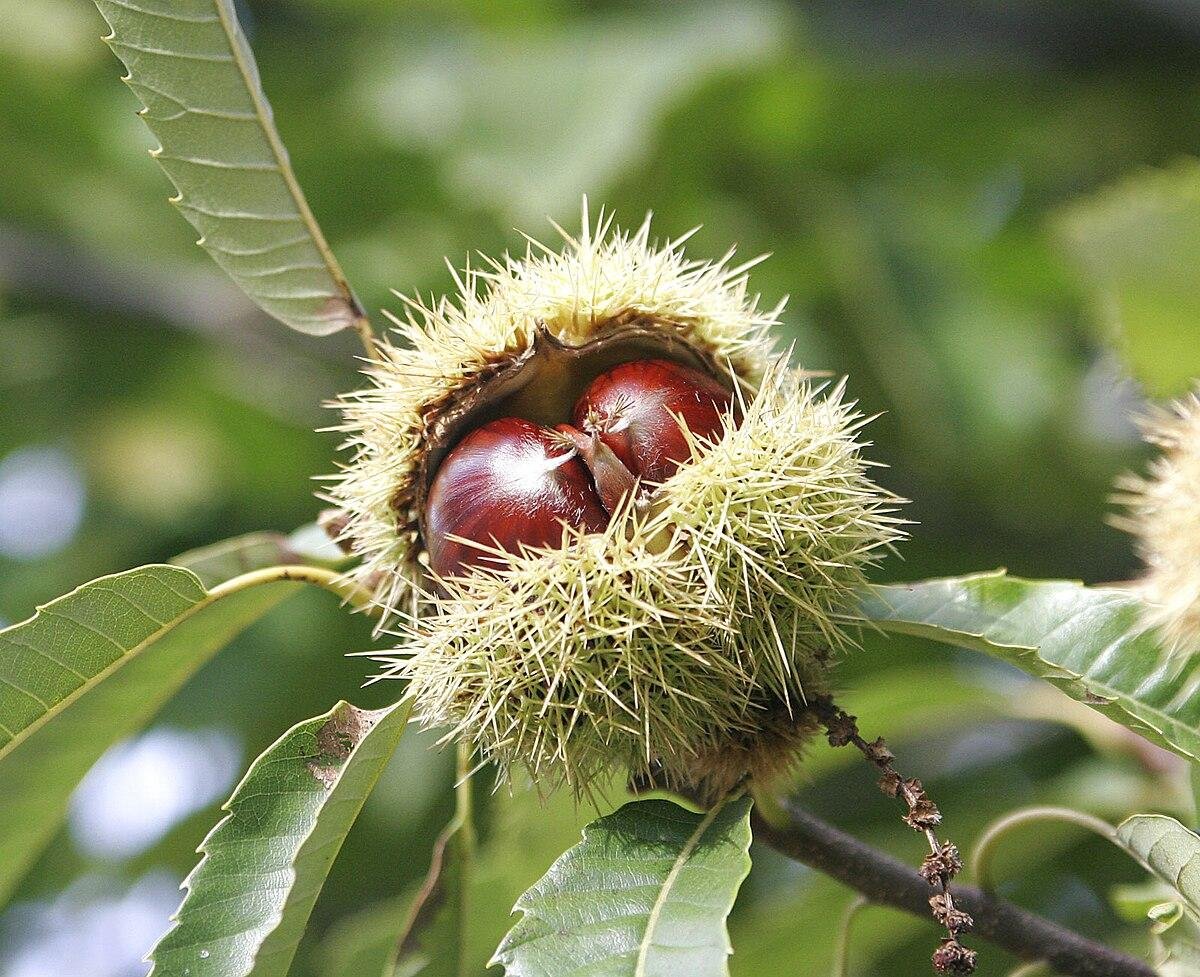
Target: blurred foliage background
column 925, row 175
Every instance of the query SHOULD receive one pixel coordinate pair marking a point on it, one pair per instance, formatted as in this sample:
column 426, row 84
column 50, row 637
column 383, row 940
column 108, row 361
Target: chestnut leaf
column 647, row 892
column 1090, row 642
column 1170, row 851
column 93, row 667
column 191, row 66
column 1172, row 854
column 249, row 898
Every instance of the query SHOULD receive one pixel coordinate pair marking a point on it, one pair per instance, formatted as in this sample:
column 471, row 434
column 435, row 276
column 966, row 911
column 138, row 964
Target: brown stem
column 887, row 881
column 943, row 861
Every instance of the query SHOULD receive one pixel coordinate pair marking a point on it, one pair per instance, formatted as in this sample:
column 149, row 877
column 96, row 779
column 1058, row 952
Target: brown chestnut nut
column 512, row 482
column 633, row 409
column 507, row 483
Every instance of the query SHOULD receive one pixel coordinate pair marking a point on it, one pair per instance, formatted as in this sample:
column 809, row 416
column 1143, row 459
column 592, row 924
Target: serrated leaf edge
column 242, row 57
column 1048, row 671
column 660, row 900
column 264, row 757
column 206, row 598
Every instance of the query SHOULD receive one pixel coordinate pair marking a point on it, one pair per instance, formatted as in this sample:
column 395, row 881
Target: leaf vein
column 162, row 13
column 167, row 53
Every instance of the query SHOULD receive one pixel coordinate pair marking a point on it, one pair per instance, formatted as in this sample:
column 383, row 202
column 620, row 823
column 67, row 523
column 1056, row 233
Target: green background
column 910, row 167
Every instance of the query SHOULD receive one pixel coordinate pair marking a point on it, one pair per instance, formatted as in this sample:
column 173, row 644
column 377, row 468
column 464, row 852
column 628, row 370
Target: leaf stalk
column 983, row 857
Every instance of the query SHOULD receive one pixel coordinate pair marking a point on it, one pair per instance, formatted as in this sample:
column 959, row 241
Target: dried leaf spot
column 336, row 739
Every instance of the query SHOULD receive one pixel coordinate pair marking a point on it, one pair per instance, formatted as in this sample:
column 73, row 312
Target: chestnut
column 634, row 407
column 512, row 482
column 507, row 483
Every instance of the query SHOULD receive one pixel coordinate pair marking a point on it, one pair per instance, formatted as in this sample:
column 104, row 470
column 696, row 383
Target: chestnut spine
column 607, row 286
column 1163, row 514
column 691, row 629
column 647, row 626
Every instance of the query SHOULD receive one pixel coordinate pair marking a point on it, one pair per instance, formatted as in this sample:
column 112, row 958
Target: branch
column 888, row 882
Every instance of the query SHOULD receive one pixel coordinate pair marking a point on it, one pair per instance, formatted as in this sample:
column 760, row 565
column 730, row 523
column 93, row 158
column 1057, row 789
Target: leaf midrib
column 681, row 860
column 266, row 123
column 210, row 596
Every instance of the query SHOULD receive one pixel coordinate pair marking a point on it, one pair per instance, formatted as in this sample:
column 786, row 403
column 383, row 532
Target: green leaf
column 91, row 668
column 1164, row 915
column 191, row 66
column 249, row 898
column 1135, row 902
column 1088, row 641
column 1171, row 853
column 433, row 941
column 646, row 892
column 1194, row 782
column 1138, row 245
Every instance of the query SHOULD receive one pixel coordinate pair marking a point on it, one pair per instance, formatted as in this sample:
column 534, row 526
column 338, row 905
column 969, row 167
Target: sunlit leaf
column 1138, row 245
column 91, row 668
column 646, row 892
column 249, row 898
column 1088, row 641
column 191, row 66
